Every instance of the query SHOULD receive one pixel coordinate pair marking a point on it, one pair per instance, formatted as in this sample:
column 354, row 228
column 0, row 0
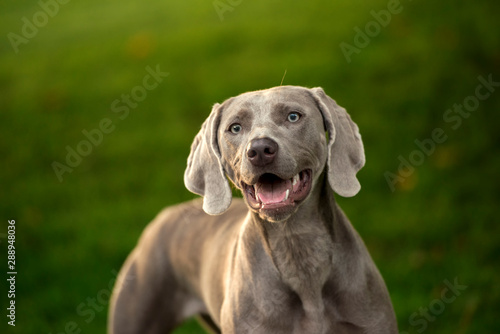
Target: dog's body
column 284, row 260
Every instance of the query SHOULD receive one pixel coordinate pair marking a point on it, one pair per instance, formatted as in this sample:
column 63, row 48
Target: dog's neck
column 301, row 247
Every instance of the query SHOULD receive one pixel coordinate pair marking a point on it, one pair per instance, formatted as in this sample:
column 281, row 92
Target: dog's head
column 272, row 145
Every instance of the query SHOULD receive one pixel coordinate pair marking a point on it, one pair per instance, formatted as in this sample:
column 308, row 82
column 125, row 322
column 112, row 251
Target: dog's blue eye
column 235, row 128
column 293, row 117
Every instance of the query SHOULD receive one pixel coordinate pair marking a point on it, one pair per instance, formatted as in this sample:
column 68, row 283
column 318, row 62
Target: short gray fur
column 303, row 271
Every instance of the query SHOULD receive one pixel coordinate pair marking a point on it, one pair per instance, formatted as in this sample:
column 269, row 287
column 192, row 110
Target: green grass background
column 441, row 223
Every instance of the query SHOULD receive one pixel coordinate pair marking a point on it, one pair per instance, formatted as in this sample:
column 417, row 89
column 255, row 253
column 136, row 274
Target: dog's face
column 272, row 145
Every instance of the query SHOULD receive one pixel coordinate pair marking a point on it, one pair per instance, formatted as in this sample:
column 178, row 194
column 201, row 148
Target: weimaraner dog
column 283, row 260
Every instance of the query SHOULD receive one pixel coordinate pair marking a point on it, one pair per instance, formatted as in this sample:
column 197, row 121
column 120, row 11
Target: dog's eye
column 293, row 117
column 235, row 128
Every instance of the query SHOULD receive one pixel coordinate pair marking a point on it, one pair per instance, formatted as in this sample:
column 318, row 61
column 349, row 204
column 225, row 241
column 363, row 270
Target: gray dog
column 283, row 260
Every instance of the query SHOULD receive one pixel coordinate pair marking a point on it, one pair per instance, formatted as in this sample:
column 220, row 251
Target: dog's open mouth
column 273, row 192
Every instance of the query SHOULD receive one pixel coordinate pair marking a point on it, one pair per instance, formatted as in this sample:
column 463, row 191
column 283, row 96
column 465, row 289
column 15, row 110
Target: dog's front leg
column 147, row 298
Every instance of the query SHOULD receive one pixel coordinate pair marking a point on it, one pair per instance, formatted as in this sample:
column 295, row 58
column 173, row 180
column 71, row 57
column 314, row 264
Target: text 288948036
column 11, row 264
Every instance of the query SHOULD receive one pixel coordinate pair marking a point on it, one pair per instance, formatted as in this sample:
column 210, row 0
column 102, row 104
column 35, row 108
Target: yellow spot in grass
column 445, row 157
column 140, row 45
column 408, row 183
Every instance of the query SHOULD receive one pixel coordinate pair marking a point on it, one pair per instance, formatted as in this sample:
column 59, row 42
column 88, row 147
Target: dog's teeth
column 295, row 179
column 287, row 193
column 255, row 194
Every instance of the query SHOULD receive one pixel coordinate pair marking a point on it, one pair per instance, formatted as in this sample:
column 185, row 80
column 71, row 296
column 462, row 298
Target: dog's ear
column 346, row 155
column 204, row 174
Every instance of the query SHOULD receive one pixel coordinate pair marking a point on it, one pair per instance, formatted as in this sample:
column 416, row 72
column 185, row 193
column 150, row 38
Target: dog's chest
column 303, row 259
column 282, row 312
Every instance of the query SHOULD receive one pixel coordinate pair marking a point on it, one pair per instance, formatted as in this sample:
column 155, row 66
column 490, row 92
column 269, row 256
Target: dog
column 285, row 258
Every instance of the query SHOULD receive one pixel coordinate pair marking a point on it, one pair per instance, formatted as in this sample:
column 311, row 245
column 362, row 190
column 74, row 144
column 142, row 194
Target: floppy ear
column 346, row 155
column 204, row 174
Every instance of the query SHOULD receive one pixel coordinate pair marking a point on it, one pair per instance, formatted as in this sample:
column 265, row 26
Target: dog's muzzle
column 272, row 192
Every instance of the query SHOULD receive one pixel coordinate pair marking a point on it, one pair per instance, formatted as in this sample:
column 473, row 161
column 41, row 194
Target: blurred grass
column 71, row 236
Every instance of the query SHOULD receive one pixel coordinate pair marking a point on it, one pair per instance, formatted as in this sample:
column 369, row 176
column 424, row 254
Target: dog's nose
column 261, row 151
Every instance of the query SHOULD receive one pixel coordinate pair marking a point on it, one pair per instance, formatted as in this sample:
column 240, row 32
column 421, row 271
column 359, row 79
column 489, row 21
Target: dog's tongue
column 272, row 189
